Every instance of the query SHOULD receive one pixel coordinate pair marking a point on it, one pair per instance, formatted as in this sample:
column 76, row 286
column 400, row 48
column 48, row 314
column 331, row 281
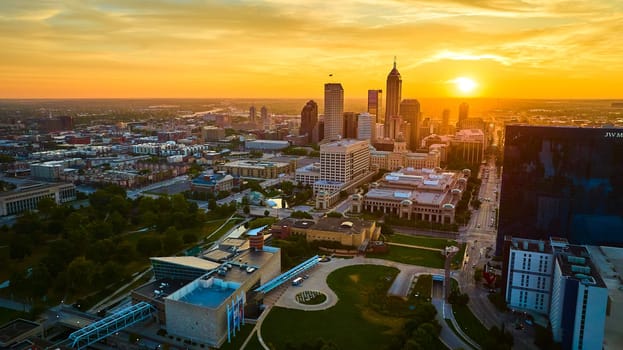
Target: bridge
column 286, row 276
column 110, row 325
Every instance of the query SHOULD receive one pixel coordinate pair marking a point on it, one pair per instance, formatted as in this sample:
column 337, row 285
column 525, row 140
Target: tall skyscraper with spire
column 333, row 110
column 394, row 95
column 309, row 120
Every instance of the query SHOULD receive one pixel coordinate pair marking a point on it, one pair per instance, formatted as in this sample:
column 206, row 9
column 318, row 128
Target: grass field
column 422, row 241
column 354, row 286
column 469, row 323
column 412, row 256
column 238, row 340
column 254, row 343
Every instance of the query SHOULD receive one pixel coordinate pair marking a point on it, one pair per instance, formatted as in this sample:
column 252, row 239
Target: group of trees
column 421, row 331
column 86, row 249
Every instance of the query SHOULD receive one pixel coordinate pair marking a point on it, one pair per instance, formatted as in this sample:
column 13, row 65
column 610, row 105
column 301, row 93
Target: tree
column 301, row 215
column 386, row 229
column 148, row 245
column 334, row 214
column 246, row 210
column 266, row 213
column 189, row 237
column 80, row 273
column 172, row 240
column 45, row 206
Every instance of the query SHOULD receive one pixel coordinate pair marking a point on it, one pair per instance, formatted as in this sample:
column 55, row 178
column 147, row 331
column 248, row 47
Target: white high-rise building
column 364, row 126
column 333, row 111
column 344, row 160
column 529, row 275
column 559, row 280
column 579, row 300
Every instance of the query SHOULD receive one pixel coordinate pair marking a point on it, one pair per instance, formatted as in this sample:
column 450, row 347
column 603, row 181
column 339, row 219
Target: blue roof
column 255, row 231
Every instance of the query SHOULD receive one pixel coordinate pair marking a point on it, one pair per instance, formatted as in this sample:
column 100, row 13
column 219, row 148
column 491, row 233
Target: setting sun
column 465, row 85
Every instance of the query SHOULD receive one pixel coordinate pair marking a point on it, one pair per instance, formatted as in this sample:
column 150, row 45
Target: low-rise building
column 421, row 194
column 308, row 174
column 212, row 133
column 213, row 183
column 27, row 197
column 257, row 168
column 266, row 145
column 353, row 232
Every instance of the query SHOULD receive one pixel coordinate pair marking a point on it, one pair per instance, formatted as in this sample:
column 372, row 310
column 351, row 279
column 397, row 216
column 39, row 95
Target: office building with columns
column 422, row 194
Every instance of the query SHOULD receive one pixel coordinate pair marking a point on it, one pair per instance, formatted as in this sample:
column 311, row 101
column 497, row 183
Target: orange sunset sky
column 285, row 48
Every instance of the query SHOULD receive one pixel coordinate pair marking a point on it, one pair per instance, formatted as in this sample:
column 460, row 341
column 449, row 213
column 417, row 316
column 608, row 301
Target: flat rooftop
column 210, row 297
column 342, row 225
column 575, row 263
column 531, row 245
column 609, row 261
column 189, row 261
column 209, row 292
column 256, row 164
column 161, row 288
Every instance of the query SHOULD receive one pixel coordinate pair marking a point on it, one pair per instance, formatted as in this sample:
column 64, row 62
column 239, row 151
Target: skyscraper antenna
column 394, row 61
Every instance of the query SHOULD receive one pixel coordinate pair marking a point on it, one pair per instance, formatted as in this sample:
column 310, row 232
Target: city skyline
column 491, row 49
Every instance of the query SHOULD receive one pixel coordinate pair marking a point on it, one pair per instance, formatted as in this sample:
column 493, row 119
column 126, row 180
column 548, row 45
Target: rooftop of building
column 575, row 263
column 159, row 289
column 313, row 168
column 211, row 179
column 189, row 261
column 31, row 186
column 257, row 164
column 470, row 132
column 276, row 142
column 341, row 225
column 343, row 143
column 207, row 291
column 531, row 245
column 609, row 261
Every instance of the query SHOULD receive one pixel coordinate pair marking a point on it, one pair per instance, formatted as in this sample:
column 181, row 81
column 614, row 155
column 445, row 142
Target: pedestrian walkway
column 413, row 246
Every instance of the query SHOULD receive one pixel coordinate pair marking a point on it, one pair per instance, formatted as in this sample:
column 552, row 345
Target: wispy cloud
column 168, row 46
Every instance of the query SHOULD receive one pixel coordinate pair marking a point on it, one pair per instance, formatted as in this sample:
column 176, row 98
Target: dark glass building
column 562, row 181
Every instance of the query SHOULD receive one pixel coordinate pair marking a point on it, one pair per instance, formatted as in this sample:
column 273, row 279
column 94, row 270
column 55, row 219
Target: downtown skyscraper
column 309, row 120
column 333, row 111
column 394, row 95
column 410, row 111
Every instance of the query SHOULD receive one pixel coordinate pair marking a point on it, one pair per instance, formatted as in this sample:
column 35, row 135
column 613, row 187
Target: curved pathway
column 318, row 281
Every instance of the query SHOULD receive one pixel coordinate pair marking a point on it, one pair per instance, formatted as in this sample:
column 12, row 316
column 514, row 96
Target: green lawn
column 470, row 324
column 218, row 234
column 357, row 287
column 412, row 256
column 423, row 286
column 254, row 343
column 238, row 340
column 423, row 241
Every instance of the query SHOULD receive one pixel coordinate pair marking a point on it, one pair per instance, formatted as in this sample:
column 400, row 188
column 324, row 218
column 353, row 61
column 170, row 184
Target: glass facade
column 562, row 181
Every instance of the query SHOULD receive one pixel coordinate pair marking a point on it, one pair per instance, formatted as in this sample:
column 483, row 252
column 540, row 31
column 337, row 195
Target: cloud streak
column 221, row 48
